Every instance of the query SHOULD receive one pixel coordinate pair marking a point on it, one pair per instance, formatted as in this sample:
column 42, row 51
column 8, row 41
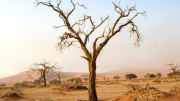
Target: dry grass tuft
column 156, row 81
column 142, row 94
column 175, row 89
column 14, row 94
column 68, row 88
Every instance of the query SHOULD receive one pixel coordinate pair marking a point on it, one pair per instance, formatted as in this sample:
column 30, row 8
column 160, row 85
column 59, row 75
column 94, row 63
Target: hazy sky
column 27, row 35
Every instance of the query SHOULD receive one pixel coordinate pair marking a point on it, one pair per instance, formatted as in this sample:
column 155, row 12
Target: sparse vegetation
column 85, row 79
column 147, row 75
column 17, row 84
column 156, row 81
column 152, row 76
column 170, row 75
column 42, row 69
column 116, row 77
column 174, row 67
column 55, row 81
column 78, row 80
column 158, row 75
column 104, row 78
column 59, row 75
column 131, row 76
column 2, row 85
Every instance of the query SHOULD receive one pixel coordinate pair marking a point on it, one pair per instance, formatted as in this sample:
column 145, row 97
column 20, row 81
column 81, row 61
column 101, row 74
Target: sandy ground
column 106, row 91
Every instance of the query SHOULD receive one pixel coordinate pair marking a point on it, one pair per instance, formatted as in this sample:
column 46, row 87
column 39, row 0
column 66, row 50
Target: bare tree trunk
column 92, row 82
column 44, row 78
column 174, row 74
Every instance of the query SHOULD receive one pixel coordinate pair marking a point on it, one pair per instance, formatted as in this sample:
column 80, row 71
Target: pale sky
column 27, row 36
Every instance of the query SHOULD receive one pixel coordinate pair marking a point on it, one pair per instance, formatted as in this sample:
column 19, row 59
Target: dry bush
column 14, row 94
column 175, row 89
column 142, row 94
column 68, row 88
column 144, row 80
column 134, row 80
column 156, row 81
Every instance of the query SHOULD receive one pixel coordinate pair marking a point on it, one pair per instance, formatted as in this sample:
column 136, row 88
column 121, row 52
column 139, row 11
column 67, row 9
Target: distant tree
column 2, row 85
column 17, row 84
column 152, row 76
column 104, row 78
column 78, row 80
column 42, row 69
column 170, row 75
column 24, row 84
column 116, row 77
column 130, row 76
column 59, row 75
column 158, row 75
column 72, row 79
column 147, row 75
column 68, row 80
column 85, row 79
column 174, row 66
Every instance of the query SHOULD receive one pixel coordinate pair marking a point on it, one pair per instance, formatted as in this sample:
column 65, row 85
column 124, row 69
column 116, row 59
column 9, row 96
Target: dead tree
column 174, row 66
column 147, row 75
column 80, row 37
column 42, row 69
column 59, row 75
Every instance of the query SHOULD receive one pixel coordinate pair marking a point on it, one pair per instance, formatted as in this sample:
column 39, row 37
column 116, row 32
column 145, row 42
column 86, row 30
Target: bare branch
column 74, row 8
column 85, row 58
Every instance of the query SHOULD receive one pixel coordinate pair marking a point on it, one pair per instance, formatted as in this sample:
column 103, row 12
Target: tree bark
column 44, row 78
column 174, row 72
column 92, row 82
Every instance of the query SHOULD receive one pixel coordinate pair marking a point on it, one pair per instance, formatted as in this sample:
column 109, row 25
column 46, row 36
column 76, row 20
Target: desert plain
column 166, row 89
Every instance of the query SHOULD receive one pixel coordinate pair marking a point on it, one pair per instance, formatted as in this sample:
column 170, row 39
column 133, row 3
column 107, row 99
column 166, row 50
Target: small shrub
column 78, row 80
column 85, row 79
column 156, row 81
column 17, row 84
column 104, row 78
column 116, row 77
column 130, row 76
column 2, row 85
column 158, row 75
column 54, row 81
column 36, row 83
column 170, row 75
column 152, row 76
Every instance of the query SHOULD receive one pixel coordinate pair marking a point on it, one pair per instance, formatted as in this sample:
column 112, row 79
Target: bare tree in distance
column 147, row 75
column 104, row 78
column 59, row 75
column 174, row 66
column 116, row 77
column 81, row 37
column 158, row 75
column 85, row 79
column 42, row 69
